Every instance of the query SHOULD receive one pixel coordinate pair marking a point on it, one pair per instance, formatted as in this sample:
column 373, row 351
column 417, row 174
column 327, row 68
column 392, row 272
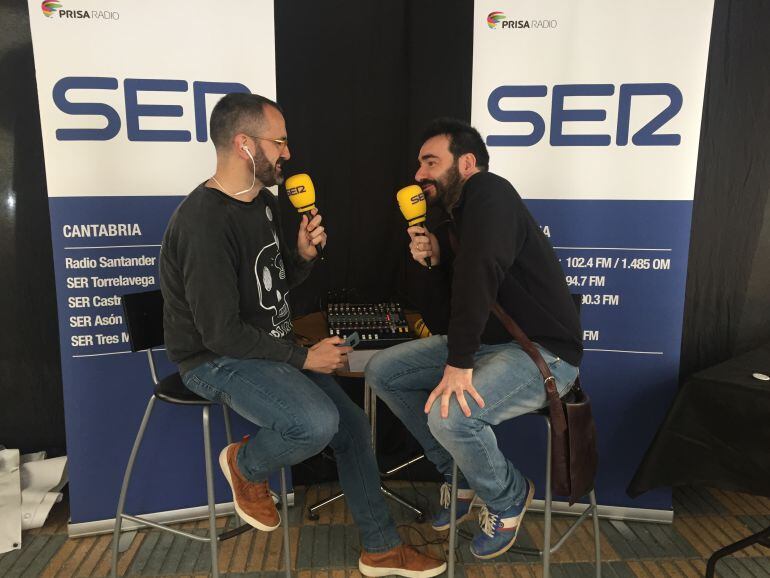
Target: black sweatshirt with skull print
column 225, row 274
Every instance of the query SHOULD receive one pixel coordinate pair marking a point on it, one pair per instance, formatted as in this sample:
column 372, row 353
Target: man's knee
column 379, row 368
column 455, row 426
column 354, row 431
column 314, row 428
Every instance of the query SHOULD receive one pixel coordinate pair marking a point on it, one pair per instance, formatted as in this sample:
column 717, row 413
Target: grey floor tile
column 30, row 550
column 43, row 557
column 321, row 547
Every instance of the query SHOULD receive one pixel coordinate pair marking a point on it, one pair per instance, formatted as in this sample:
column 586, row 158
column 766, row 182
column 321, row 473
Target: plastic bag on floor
column 29, row 487
column 10, row 501
column 41, row 483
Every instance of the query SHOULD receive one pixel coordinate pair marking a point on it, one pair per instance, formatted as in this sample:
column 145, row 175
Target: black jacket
column 503, row 256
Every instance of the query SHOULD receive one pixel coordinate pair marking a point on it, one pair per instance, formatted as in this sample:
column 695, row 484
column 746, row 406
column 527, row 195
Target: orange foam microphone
column 411, row 201
column 301, row 193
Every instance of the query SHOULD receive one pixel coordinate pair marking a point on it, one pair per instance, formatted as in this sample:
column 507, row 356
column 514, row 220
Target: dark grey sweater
column 225, row 274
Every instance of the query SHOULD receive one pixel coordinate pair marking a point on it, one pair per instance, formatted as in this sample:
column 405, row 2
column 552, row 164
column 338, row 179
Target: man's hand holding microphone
column 328, row 355
column 423, row 245
column 312, row 236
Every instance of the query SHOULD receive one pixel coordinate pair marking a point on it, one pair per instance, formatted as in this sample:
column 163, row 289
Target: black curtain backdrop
column 31, row 401
column 358, row 81
column 357, row 86
column 727, row 305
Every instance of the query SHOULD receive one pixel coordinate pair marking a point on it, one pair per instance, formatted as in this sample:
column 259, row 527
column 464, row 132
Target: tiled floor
column 705, row 520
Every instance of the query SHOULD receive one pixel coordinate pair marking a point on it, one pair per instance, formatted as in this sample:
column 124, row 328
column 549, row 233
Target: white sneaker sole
column 527, row 502
column 376, row 571
column 244, row 516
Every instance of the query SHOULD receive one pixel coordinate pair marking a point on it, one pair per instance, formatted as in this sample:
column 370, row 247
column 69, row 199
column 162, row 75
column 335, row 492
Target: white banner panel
column 126, row 88
column 123, row 88
column 592, row 110
column 598, row 57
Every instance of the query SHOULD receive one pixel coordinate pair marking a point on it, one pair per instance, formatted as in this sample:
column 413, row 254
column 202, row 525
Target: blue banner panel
column 628, row 259
column 105, row 247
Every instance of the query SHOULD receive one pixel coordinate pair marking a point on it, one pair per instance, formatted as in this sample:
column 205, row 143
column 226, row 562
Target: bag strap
column 534, row 353
column 558, row 419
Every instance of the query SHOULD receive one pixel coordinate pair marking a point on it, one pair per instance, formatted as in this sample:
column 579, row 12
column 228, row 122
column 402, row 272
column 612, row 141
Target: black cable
column 425, row 541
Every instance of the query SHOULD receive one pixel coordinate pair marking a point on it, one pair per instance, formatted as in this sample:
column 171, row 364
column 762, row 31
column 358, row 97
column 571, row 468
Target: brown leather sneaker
column 252, row 500
column 402, row 560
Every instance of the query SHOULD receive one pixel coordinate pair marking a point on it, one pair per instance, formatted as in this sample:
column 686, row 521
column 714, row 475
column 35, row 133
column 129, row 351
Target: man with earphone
column 226, row 271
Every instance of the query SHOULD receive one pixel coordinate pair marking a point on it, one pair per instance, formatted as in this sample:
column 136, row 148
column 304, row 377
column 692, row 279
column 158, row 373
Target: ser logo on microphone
column 417, row 198
column 296, row 190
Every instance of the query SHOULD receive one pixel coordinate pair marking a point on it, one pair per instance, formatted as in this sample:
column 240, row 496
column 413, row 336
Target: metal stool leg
column 124, row 487
column 229, row 433
column 758, row 538
column 370, row 408
column 597, row 536
column 370, row 401
column 548, row 504
column 285, row 516
column 547, row 547
column 452, row 524
column 312, row 510
column 213, row 538
column 228, row 429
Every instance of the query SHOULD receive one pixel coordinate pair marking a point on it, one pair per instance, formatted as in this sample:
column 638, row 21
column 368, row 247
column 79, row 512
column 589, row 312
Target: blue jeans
column 506, row 378
column 299, row 413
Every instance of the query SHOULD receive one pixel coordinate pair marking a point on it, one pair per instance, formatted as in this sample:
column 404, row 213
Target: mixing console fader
column 379, row 325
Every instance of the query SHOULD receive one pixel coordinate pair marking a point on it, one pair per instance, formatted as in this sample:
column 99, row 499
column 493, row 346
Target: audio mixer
column 379, row 325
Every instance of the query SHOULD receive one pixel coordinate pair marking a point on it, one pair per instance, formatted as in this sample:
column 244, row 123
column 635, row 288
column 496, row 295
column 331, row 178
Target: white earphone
column 253, row 174
column 254, row 170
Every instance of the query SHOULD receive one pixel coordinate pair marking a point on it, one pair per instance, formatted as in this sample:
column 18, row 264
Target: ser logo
column 498, row 19
column 93, row 93
column 419, row 197
column 561, row 114
column 295, row 190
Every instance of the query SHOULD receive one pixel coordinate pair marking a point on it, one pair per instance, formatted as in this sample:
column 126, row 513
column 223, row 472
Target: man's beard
column 448, row 188
column 266, row 173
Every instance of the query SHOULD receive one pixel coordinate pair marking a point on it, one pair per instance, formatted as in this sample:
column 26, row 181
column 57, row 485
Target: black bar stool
column 143, row 313
column 548, row 549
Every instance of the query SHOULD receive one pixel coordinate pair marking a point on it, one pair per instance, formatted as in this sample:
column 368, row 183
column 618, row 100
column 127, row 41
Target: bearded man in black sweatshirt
column 502, row 256
column 226, row 272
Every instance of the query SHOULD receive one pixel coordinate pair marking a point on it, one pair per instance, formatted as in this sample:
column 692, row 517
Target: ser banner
column 592, row 110
column 126, row 89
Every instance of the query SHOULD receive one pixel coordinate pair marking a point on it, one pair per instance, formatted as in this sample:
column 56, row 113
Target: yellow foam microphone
column 301, row 193
column 411, row 201
column 420, row 329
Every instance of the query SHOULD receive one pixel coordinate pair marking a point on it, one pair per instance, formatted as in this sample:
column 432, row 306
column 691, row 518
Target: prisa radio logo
column 497, row 19
column 493, row 19
column 50, row 8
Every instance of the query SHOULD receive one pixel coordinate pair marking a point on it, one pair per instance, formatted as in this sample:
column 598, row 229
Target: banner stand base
column 97, row 527
column 622, row 513
column 83, row 529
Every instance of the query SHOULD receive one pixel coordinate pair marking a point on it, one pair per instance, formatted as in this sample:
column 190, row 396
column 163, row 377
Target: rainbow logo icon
column 49, row 7
column 494, row 18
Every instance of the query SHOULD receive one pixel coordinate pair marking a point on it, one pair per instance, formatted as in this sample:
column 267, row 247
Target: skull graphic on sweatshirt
column 268, row 270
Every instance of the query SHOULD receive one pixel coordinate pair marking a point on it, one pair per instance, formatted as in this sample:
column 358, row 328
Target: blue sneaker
column 499, row 529
column 465, row 498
